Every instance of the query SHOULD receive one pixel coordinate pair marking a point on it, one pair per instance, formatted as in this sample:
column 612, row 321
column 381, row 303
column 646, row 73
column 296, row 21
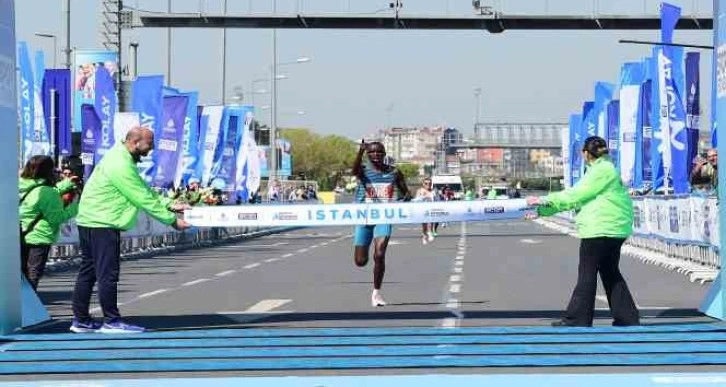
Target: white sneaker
column 424, row 239
column 430, row 237
column 377, row 300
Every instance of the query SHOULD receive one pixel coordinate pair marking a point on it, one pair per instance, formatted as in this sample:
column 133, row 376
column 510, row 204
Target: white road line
column 459, row 315
column 455, row 288
column 459, row 257
column 270, row 260
column 452, row 304
column 601, row 298
column 604, row 300
column 449, row 323
column 266, row 305
column 455, row 278
column 458, row 269
column 530, row 241
column 225, row 273
column 252, row 265
column 459, row 263
column 287, row 255
column 314, row 246
column 199, row 281
column 154, row 293
column 303, row 250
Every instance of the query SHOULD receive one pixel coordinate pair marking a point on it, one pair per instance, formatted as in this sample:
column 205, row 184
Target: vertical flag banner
column 574, row 152
column 566, row 167
column 657, row 144
column 210, row 122
column 632, row 76
column 190, row 142
column 42, row 147
column 672, row 113
column 587, row 126
column 644, row 178
column 285, row 149
column 105, row 104
column 225, row 163
column 59, row 82
column 613, row 132
column 89, row 137
column 84, row 78
column 248, row 169
column 27, row 101
column 603, row 95
column 693, row 105
column 170, row 140
column 147, row 102
column 122, row 123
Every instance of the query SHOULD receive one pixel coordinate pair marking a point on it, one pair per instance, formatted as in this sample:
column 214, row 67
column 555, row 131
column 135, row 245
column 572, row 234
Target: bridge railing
column 684, row 230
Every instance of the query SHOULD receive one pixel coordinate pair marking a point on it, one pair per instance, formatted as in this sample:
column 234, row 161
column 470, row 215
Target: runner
column 377, row 182
column 426, row 194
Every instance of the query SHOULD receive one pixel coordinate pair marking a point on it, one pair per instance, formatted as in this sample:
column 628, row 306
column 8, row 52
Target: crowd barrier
column 684, row 229
column 149, row 237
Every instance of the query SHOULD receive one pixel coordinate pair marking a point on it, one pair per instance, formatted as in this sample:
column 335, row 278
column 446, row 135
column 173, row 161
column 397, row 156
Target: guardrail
column 677, row 232
column 149, row 237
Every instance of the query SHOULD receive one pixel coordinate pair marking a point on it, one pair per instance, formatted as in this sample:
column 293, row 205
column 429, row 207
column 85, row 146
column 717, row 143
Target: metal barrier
column 677, row 232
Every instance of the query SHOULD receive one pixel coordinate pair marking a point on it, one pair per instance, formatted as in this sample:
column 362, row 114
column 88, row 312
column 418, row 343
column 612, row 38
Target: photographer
column 44, row 207
column 704, row 175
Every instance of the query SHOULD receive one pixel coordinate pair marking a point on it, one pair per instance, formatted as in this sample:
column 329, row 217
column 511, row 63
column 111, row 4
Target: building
column 411, row 145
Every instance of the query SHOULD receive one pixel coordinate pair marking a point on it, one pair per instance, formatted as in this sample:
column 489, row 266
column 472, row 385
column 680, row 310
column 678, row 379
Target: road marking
column 604, row 299
column 449, row 323
column 225, row 273
column 314, row 246
column 459, row 257
column 530, row 241
column 452, row 304
column 303, row 250
column 199, row 281
column 155, row 292
column 455, row 278
column 270, row 260
column 458, row 269
column 287, row 255
column 455, row 288
column 459, row 263
column 266, row 306
column 252, row 265
column 459, row 315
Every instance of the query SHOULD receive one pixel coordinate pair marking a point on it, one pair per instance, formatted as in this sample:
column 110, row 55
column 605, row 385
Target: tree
column 325, row 159
column 409, row 170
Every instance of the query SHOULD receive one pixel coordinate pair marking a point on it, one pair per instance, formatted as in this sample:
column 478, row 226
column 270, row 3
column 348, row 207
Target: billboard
column 85, row 63
column 284, row 157
column 490, row 155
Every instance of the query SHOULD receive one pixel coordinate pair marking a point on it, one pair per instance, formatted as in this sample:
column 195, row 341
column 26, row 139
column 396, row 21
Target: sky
column 360, row 81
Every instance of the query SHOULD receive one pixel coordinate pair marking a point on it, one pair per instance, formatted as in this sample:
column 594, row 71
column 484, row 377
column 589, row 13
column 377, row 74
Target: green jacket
column 115, row 192
column 44, row 200
column 604, row 208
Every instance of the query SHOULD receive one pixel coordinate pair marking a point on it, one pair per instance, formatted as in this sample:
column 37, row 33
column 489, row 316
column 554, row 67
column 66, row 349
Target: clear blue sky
column 428, row 77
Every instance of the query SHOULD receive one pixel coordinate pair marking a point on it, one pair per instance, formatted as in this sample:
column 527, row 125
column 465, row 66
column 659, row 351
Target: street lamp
column 273, row 77
column 55, row 46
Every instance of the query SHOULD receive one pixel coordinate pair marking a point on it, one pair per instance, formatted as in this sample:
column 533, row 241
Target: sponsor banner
column 689, row 220
column 356, row 214
column 84, row 78
column 147, row 101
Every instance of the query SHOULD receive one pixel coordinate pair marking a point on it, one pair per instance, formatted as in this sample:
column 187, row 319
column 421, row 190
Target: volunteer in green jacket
column 109, row 204
column 42, row 212
column 604, row 221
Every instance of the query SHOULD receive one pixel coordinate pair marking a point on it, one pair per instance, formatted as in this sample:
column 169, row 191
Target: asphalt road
column 474, row 274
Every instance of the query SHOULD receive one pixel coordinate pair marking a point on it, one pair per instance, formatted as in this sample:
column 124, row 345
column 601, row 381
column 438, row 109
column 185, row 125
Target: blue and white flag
column 248, row 170
column 105, row 104
column 58, row 81
column 644, row 167
column 210, row 123
column 657, row 146
column 89, row 138
column 613, row 132
column 566, row 164
column 603, row 95
column 574, row 148
column 672, row 123
column 225, row 162
column 588, row 127
column 693, row 105
column 190, row 142
column 26, row 90
column 632, row 76
column 168, row 150
column 42, row 147
column 147, row 101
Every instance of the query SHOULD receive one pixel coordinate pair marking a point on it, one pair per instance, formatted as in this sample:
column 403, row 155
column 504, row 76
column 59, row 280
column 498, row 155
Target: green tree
column 409, row 170
column 325, row 159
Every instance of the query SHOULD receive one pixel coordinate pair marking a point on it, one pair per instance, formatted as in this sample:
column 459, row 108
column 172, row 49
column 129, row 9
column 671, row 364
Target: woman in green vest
column 604, row 221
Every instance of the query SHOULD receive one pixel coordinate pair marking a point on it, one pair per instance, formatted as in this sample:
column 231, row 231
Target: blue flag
column 658, row 101
column 613, row 132
column 644, row 173
column 105, row 104
column 147, row 101
column 632, row 76
column 574, row 132
column 26, row 91
column 90, row 134
column 603, row 95
column 170, row 137
column 693, row 105
column 58, row 81
column 190, row 142
column 42, row 146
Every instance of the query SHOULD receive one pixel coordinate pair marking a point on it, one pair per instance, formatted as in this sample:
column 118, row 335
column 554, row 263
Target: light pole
column 168, row 48
column 224, row 55
column 477, row 97
column 273, row 81
column 256, row 81
column 68, row 34
column 55, row 46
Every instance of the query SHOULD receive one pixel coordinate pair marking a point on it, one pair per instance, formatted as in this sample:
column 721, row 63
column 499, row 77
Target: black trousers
column 33, row 259
column 601, row 255
column 101, row 253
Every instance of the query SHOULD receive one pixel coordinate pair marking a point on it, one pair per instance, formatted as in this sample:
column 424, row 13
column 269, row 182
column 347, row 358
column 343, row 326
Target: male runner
column 426, row 194
column 377, row 183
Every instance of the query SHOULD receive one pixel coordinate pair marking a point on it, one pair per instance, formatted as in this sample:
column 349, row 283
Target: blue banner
column 147, row 101
column 285, row 165
column 656, row 143
column 89, row 137
column 613, row 132
column 169, row 140
column 249, row 158
column 86, row 62
column 27, row 102
column 587, row 126
column 190, row 142
column 58, row 81
column 209, row 139
column 105, row 104
column 225, row 157
column 603, row 95
column 644, row 173
column 626, row 143
column 693, row 105
column 575, row 155
column 43, row 146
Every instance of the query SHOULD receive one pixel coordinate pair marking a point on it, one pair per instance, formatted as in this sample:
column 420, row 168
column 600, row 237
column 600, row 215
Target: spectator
column 109, row 204
column 704, row 175
column 42, row 212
